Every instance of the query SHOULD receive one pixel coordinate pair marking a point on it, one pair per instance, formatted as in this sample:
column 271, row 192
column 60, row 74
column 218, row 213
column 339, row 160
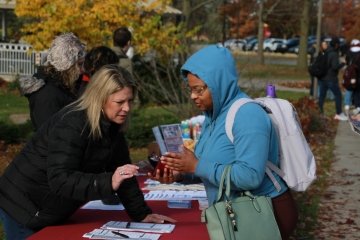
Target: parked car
column 235, row 44
column 251, row 44
column 247, row 40
column 271, row 44
column 292, row 42
column 295, row 49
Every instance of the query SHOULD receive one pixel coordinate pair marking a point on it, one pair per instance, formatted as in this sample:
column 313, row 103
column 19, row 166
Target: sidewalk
column 339, row 210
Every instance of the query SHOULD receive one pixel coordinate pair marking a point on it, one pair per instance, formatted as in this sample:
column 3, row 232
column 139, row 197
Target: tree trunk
column 304, row 29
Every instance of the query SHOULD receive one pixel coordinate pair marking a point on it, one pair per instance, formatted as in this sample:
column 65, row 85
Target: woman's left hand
column 181, row 162
column 157, row 218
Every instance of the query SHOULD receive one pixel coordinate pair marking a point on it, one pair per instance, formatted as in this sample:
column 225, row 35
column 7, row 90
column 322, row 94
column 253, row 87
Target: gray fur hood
column 30, row 84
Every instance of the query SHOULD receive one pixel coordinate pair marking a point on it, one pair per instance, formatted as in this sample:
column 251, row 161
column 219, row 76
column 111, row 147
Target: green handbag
column 244, row 217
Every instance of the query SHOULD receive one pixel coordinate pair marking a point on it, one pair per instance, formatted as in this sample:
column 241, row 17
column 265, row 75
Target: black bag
column 350, row 76
column 319, row 67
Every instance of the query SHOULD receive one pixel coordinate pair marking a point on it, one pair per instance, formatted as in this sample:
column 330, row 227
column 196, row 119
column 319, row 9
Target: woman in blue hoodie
column 212, row 80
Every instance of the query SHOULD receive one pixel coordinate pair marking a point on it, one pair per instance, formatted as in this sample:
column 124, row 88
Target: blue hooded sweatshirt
column 255, row 140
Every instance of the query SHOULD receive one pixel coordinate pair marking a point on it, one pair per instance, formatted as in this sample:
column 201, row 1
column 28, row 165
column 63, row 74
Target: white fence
column 18, row 59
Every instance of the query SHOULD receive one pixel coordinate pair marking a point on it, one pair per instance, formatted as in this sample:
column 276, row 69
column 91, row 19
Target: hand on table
column 158, row 218
column 122, row 173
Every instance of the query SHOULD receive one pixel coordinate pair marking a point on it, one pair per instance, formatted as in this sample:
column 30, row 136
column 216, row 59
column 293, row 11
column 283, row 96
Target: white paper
column 152, row 185
column 98, row 205
column 109, row 234
column 139, row 227
column 174, row 195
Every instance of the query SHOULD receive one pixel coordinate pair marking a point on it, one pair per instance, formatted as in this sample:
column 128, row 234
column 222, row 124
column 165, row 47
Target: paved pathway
column 340, row 205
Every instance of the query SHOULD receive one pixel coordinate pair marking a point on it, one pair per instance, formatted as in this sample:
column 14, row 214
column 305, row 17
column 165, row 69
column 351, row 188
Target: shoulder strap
column 230, row 117
column 223, row 180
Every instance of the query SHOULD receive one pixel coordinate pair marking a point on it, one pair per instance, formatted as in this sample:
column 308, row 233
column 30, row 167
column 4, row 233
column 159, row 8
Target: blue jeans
column 347, row 97
column 13, row 230
column 333, row 86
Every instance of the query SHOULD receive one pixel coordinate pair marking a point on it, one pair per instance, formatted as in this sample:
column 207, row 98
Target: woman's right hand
column 122, row 173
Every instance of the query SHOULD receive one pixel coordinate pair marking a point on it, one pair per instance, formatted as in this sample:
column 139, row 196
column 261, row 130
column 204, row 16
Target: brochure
column 139, row 227
column 168, row 137
column 111, row 234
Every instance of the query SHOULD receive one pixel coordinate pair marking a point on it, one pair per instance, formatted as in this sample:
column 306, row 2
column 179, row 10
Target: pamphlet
column 168, row 137
column 111, row 234
column 139, row 227
column 99, row 205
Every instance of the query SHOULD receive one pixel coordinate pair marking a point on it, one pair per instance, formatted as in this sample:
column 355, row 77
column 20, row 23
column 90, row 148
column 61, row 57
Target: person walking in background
column 122, row 43
column 79, row 155
column 331, row 81
column 94, row 60
column 352, row 56
column 54, row 85
column 212, row 81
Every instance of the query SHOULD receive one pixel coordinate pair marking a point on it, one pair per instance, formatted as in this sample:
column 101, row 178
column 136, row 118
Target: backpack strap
column 229, row 122
column 230, row 117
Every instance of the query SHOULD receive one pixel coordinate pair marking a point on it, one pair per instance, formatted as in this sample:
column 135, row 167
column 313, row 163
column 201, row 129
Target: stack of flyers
column 139, row 227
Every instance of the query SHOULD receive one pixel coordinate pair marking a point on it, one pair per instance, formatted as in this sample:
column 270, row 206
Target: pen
column 128, row 225
column 120, row 234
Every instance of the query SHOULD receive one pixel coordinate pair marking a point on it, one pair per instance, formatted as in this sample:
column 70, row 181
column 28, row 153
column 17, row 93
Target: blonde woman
column 80, row 154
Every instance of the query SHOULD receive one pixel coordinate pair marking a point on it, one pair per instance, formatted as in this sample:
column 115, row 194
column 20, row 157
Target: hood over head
column 216, row 66
column 65, row 51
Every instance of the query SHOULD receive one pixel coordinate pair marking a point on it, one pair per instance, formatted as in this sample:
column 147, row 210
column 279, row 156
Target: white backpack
column 297, row 162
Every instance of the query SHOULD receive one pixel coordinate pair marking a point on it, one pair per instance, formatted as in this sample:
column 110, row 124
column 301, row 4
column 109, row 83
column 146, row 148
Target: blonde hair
column 106, row 81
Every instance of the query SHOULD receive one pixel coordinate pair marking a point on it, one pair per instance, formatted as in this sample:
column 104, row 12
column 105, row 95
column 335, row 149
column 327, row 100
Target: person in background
column 94, row 60
column 212, row 81
column 312, row 59
column 53, row 86
column 323, row 47
column 351, row 56
column 122, row 43
column 79, row 155
column 331, row 81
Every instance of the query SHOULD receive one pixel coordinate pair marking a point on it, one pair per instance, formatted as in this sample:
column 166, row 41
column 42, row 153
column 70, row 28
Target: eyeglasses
column 198, row 90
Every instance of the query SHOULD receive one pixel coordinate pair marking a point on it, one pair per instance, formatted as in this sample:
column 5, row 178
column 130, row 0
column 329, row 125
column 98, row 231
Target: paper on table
column 98, row 205
column 155, row 185
column 175, row 195
column 108, row 234
column 139, row 227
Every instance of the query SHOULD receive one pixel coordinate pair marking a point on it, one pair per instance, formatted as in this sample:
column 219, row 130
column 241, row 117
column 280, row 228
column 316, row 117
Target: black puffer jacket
column 46, row 95
column 61, row 168
column 333, row 65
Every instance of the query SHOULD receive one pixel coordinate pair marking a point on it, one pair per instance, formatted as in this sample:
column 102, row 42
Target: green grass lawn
column 11, row 103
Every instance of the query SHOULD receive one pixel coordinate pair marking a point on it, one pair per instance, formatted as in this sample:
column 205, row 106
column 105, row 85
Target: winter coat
column 61, row 168
column 124, row 60
column 46, row 96
column 255, row 140
column 333, row 65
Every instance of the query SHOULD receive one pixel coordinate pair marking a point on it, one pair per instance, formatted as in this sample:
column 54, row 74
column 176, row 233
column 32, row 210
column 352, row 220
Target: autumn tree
column 94, row 21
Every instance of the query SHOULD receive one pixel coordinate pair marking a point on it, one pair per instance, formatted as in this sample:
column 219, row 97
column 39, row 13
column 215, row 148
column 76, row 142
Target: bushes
column 12, row 133
column 142, row 120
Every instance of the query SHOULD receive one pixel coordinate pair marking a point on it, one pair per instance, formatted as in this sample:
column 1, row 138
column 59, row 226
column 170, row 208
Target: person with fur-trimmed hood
column 53, row 86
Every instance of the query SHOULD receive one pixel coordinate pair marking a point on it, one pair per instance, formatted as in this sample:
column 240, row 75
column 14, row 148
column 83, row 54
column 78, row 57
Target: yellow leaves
column 95, row 20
